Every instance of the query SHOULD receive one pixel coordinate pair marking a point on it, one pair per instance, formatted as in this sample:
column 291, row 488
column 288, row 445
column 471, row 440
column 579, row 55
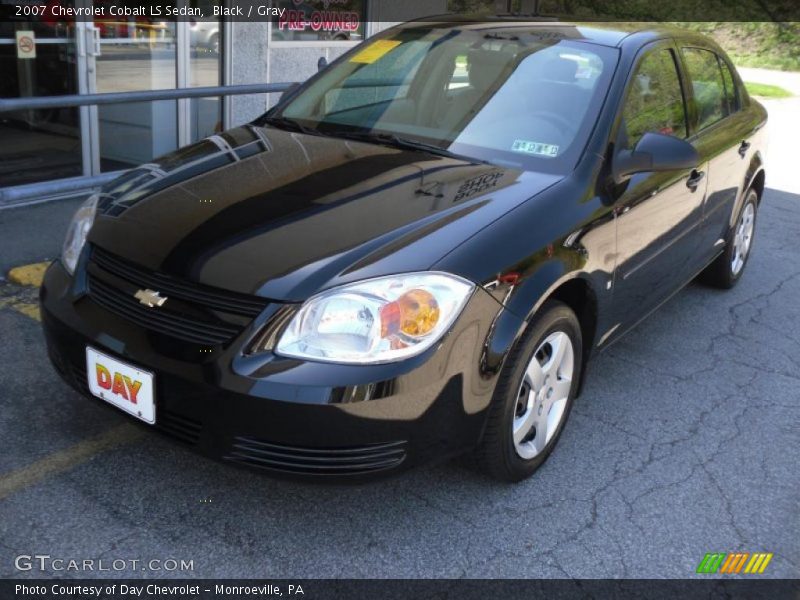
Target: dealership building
column 57, row 151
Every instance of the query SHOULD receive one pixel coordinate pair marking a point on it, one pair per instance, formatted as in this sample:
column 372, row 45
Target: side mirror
column 654, row 152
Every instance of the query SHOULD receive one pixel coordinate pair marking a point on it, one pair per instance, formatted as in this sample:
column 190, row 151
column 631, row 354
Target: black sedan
column 416, row 252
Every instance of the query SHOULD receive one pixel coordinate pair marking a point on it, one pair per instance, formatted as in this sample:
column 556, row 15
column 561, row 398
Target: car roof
column 619, row 35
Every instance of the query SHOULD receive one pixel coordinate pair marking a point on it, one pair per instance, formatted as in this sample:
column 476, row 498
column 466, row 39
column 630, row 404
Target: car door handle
column 694, row 179
column 745, row 145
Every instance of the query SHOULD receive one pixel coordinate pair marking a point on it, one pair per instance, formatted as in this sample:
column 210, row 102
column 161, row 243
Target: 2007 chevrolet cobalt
column 414, row 254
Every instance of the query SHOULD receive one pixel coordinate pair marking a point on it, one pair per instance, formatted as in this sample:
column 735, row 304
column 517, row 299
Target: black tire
column 720, row 273
column 496, row 454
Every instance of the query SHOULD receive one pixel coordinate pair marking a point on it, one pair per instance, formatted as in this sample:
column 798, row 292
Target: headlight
column 375, row 321
column 76, row 234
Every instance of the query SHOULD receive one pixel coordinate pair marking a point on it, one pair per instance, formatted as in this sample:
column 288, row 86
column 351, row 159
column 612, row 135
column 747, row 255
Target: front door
column 658, row 215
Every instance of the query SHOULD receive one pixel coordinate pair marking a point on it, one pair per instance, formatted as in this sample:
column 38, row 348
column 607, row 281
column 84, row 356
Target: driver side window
column 654, row 102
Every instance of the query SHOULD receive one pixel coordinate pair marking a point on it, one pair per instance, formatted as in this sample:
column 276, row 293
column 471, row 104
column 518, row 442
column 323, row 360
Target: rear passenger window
column 707, row 85
column 731, row 89
column 654, row 102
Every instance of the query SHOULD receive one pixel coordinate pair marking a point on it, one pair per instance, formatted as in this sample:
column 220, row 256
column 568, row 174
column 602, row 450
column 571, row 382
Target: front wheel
column 534, row 395
column 727, row 269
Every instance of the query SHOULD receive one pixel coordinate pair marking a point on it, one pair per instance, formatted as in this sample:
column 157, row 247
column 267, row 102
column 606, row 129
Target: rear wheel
column 534, row 396
column 727, row 269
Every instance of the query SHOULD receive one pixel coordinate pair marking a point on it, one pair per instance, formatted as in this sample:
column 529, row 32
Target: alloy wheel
column 543, row 395
column 743, row 238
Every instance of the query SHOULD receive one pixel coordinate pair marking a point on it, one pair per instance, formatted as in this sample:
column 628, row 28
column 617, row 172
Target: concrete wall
column 293, row 61
column 249, row 56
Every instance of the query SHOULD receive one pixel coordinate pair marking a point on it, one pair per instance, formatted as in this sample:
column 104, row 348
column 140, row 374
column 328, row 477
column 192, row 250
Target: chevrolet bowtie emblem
column 149, row 298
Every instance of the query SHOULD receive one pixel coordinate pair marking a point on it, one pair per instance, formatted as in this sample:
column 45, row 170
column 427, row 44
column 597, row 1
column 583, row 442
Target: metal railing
column 36, row 103
column 46, row 190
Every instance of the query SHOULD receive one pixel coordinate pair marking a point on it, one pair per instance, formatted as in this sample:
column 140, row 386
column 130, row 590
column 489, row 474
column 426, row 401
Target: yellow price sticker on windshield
column 374, row 51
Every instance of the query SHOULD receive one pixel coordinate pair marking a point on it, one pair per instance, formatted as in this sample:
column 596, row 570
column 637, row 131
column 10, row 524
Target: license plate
column 123, row 385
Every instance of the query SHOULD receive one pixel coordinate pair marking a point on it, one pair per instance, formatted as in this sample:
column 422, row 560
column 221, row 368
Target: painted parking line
column 29, row 309
column 66, row 459
column 23, row 281
column 28, row 274
column 19, row 294
column 21, row 302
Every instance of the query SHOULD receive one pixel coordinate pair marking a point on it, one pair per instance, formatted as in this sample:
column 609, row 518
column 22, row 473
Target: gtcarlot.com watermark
column 47, row 563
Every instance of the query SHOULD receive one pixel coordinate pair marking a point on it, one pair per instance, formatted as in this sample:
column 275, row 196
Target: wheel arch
column 757, row 183
column 577, row 293
column 574, row 289
column 755, row 178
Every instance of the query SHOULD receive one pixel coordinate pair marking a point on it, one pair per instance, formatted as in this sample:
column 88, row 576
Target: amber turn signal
column 415, row 313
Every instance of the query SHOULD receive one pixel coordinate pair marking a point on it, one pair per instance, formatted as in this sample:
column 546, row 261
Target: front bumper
column 285, row 416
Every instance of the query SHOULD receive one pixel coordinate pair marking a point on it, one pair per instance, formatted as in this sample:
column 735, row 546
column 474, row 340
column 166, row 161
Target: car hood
column 284, row 215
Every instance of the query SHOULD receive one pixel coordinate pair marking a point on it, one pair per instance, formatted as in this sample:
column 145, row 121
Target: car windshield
column 523, row 98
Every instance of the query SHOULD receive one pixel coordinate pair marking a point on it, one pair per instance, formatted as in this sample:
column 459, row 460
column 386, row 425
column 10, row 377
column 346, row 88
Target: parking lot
column 685, row 441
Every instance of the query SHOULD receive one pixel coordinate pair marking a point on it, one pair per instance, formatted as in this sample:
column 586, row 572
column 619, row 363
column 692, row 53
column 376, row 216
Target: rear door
column 721, row 132
column 658, row 214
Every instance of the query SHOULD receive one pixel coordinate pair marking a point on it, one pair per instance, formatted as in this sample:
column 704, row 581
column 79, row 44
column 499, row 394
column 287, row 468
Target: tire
column 729, row 266
column 518, row 399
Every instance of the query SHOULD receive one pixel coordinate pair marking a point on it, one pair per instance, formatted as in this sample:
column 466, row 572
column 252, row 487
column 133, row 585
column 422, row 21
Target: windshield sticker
column 536, row 148
column 374, row 51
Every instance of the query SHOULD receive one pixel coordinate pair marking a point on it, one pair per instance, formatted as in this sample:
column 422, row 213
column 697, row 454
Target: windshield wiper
column 396, row 141
column 287, row 123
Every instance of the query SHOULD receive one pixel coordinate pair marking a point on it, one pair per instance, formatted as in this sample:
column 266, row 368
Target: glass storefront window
column 104, row 55
column 312, row 20
column 205, row 70
column 39, row 144
column 135, row 54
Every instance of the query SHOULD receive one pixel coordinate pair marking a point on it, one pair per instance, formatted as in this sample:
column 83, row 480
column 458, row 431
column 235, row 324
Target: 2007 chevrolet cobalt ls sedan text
column 414, row 253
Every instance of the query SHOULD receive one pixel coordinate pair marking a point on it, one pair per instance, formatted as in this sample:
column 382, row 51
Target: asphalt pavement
column 685, row 441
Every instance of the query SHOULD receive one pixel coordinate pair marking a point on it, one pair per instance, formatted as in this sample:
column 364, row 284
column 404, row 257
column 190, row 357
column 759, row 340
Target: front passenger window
column 654, row 102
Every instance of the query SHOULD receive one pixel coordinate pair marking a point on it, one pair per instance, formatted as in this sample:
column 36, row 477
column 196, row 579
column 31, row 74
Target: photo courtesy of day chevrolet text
column 152, row 590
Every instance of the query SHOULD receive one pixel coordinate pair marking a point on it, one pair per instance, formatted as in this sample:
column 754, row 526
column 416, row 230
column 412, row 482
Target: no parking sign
column 26, row 44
